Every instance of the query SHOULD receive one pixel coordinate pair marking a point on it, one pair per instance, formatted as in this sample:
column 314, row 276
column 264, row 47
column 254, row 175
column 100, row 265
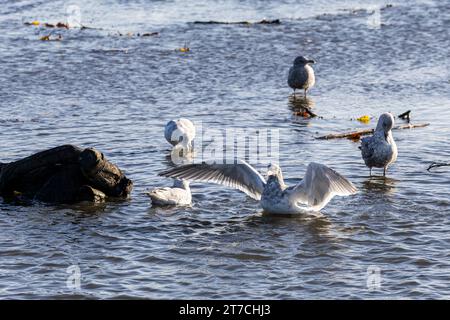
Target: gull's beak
column 312, row 61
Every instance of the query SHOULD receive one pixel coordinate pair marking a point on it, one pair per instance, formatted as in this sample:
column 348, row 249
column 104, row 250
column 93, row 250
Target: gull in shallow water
column 180, row 133
column 178, row 195
column 380, row 150
column 301, row 74
column 319, row 185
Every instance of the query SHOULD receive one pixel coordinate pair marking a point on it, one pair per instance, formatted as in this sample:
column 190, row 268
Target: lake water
column 96, row 88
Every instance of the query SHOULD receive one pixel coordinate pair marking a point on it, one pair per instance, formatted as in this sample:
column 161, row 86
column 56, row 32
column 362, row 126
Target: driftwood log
column 356, row 135
column 64, row 174
column 264, row 21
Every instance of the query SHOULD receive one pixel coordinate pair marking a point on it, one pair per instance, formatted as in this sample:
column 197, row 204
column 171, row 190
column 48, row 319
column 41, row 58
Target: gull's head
column 385, row 122
column 301, row 61
column 273, row 170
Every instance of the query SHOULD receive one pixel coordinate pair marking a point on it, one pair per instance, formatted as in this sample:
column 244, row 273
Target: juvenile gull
column 319, row 185
column 380, row 150
column 180, row 134
column 178, row 195
column 301, row 74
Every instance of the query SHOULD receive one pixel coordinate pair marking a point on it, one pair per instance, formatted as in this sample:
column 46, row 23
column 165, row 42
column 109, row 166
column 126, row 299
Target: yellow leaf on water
column 364, row 119
column 35, row 23
column 184, row 49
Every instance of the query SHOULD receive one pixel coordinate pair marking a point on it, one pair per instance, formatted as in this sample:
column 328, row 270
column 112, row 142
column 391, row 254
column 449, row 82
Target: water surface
column 116, row 93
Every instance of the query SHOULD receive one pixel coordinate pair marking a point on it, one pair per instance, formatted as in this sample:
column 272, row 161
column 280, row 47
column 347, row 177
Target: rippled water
column 95, row 88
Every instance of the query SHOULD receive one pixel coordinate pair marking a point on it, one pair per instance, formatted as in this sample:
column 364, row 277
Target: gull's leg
column 370, row 171
column 384, row 172
column 305, row 93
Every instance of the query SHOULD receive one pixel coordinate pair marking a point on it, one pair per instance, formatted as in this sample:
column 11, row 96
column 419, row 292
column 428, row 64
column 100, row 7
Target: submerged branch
column 438, row 164
column 264, row 21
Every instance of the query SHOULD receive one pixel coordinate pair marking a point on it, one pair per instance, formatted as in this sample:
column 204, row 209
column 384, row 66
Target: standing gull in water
column 301, row 74
column 180, row 134
column 178, row 195
column 380, row 150
column 317, row 188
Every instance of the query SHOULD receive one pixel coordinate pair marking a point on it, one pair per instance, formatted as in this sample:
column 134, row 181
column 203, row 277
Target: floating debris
column 438, row 165
column 356, row 135
column 50, row 38
column 305, row 113
column 47, row 25
column 364, row 119
column 148, row 34
column 264, row 21
column 405, row 116
column 130, row 34
column 62, row 25
column 302, row 107
column 185, row 48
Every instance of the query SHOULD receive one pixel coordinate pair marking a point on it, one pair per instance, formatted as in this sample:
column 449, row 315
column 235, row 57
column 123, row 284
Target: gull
column 301, row 74
column 319, row 185
column 380, row 150
column 178, row 195
column 180, row 134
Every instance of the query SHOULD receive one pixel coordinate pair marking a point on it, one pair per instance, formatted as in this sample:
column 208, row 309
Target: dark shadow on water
column 84, row 209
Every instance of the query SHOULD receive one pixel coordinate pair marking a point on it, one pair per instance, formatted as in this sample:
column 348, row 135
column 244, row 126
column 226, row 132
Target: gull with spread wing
column 319, row 185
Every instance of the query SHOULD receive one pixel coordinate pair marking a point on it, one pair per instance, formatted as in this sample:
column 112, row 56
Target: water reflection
column 315, row 222
column 301, row 106
column 380, row 184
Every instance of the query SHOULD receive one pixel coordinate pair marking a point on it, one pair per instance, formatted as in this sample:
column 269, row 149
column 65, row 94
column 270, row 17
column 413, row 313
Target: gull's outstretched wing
column 240, row 176
column 319, row 186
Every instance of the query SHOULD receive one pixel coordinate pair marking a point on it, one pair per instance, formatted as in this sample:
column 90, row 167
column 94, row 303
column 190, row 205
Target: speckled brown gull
column 317, row 188
column 301, row 74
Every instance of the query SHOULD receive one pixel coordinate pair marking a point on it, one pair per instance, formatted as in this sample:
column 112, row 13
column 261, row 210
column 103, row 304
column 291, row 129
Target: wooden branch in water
column 356, row 135
column 438, row 164
column 264, row 21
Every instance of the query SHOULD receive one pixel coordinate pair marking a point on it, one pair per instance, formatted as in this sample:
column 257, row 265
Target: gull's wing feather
column 320, row 185
column 239, row 176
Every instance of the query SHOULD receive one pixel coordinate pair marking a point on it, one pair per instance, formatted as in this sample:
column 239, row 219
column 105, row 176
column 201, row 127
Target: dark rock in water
column 64, row 174
column 87, row 193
